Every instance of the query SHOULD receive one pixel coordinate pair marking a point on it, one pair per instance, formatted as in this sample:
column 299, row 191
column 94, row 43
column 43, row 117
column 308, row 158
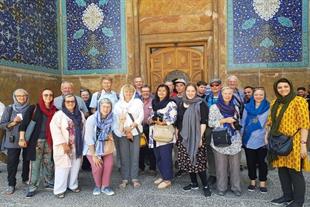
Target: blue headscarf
column 104, row 128
column 227, row 110
column 252, row 122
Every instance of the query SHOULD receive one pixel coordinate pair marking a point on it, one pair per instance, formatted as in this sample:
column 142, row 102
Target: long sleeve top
column 214, row 121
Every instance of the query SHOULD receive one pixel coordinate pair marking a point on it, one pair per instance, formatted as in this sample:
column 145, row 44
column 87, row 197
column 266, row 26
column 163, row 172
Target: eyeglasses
column 215, row 85
column 46, row 95
column 69, row 101
column 19, row 96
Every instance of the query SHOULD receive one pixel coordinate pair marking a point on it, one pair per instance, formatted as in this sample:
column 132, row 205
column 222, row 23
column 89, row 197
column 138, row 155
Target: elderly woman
column 128, row 117
column 191, row 124
column 164, row 113
column 67, row 133
column 290, row 117
column 40, row 144
column 98, row 129
column 10, row 121
column 254, row 120
column 225, row 115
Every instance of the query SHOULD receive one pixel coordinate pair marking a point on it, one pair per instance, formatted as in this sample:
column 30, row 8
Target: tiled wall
column 28, row 35
column 267, row 34
column 94, row 36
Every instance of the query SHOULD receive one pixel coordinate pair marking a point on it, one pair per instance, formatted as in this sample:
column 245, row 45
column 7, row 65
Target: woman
column 128, row 117
column 98, row 129
column 10, row 121
column 253, row 133
column 289, row 114
column 164, row 113
column 40, row 144
column 191, row 124
column 67, row 133
column 225, row 115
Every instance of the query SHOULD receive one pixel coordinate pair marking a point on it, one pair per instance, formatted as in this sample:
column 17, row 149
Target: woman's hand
column 22, row 143
column 97, row 161
column 17, row 119
column 200, row 143
column 230, row 120
column 66, row 148
column 303, row 151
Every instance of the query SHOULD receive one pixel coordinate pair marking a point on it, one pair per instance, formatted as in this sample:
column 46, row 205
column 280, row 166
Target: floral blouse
column 214, row 122
column 169, row 116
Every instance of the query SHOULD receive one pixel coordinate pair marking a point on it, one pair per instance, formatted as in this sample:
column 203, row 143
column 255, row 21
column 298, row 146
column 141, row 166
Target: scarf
column 49, row 114
column 284, row 101
column 190, row 132
column 211, row 100
column 252, row 122
column 76, row 117
column 227, row 111
column 18, row 107
column 104, row 127
column 157, row 104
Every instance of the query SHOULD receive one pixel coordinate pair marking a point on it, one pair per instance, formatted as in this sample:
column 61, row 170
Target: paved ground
column 147, row 195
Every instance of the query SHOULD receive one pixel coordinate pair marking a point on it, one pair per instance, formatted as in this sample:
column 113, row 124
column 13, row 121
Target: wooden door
column 182, row 59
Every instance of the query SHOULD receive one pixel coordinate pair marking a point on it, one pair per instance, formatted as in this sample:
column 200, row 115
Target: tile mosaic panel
column 267, row 33
column 28, row 34
column 95, row 37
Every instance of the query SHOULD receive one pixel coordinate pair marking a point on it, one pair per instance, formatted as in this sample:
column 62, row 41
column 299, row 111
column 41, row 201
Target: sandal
column 136, row 184
column 60, row 195
column 77, row 190
column 123, row 184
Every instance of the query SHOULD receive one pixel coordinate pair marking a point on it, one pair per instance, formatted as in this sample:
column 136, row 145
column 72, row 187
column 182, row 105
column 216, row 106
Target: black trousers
column 254, row 158
column 292, row 184
column 147, row 153
column 12, row 165
column 203, row 178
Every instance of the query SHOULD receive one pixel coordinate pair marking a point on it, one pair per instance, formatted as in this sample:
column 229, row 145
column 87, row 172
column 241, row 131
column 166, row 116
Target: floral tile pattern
column 267, row 33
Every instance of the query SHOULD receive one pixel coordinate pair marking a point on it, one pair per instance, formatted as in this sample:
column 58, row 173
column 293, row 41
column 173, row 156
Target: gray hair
column 103, row 101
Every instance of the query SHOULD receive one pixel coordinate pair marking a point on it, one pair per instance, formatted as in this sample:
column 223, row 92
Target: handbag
column 220, row 137
column 143, row 141
column 29, row 130
column 163, row 133
column 109, row 147
column 281, row 145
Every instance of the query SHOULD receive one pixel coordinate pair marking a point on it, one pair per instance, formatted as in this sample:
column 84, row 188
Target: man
column 180, row 88
column 301, row 91
column 67, row 88
column 212, row 98
column 248, row 93
column 106, row 92
column 170, row 86
column 201, row 89
column 145, row 152
column 232, row 82
column 138, row 83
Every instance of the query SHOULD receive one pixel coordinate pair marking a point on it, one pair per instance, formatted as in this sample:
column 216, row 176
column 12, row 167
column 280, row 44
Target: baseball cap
column 180, row 80
column 215, row 80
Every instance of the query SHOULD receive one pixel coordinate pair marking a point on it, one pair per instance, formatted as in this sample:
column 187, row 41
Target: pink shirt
column 147, row 108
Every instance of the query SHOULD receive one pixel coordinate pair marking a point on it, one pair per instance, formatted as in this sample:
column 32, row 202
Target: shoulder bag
column 281, row 145
column 163, row 133
column 220, row 137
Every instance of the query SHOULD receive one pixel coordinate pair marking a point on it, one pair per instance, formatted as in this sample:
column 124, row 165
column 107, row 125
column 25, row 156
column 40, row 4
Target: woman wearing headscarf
column 98, row 129
column 253, row 133
column 40, row 145
column 191, row 125
column 10, row 121
column 128, row 117
column 67, row 134
column 225, row 115
column 164, row 113
column 289, row 116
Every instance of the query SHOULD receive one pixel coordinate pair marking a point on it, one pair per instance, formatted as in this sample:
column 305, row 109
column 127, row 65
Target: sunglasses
column 214, row 85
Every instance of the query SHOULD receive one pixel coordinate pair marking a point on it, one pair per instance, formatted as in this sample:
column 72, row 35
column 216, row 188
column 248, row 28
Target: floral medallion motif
column 266, row 9
column 92, row 17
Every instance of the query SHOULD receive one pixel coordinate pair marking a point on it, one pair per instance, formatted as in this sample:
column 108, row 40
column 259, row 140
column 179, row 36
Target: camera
column 158, row 116
column 237, row 125
column 12, row 138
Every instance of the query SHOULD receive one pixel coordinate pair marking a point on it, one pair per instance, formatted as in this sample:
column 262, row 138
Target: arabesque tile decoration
column 95, row 36
column 267, row 33
column 28, row 35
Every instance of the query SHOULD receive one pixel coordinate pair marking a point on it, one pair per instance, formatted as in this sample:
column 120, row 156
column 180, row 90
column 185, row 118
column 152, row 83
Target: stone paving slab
column 146, row 196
